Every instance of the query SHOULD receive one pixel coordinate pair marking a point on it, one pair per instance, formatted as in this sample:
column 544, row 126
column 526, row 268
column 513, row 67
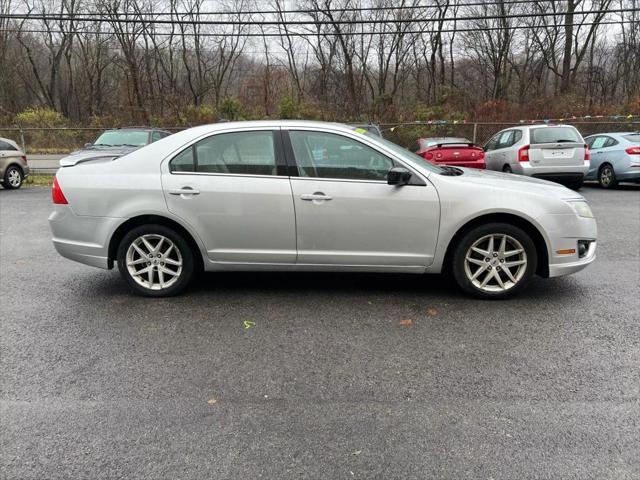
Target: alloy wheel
column 495, row 262
column 14, row 178
column 154, row 261
column 606, row 176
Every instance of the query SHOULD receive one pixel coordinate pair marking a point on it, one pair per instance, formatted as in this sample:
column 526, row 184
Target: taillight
column 24, row 159
column 429, row 156
column 587, row 155
column 56, row 193
column 481, row 155
column 438, row 155
column 523, row 154
column 633, row 150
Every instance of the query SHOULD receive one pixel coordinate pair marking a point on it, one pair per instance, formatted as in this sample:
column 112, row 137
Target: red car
column 457, row 152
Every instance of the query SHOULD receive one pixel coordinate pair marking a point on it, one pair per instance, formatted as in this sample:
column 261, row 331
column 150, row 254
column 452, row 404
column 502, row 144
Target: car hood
column 518, row 183
column 89, row 154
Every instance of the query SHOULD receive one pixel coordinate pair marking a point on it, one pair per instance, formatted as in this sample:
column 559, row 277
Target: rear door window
column 555, row 135
column 506, row 139
column 248, row 153
column 598, row 142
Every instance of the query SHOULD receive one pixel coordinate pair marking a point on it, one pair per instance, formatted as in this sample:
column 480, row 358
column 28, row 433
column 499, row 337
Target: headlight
column 582, row 209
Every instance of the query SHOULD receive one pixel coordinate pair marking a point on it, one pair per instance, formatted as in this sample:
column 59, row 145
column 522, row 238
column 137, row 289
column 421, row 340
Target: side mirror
column 398, row 176
column 87, row 145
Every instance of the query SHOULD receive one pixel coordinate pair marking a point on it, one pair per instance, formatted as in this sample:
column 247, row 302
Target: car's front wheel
column 496, row 260
column 13, row 178
column 155, row 261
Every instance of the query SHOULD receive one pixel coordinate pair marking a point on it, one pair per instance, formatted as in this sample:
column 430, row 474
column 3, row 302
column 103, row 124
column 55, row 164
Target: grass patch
column 49, row 151
column 42, row 180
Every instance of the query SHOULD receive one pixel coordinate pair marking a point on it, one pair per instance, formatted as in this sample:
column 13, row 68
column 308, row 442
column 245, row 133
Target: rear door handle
column 184, row 191
column 315, row 196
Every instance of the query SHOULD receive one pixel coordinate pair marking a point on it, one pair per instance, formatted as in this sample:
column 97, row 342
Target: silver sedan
column 310, row 196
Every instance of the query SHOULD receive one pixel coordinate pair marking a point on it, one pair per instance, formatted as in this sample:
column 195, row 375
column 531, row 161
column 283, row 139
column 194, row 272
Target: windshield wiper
column 125, row 145
column 564, row 140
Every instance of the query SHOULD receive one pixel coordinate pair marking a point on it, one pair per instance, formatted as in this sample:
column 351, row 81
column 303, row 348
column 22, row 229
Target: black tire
column 607, row 176
column 499, row 229
column 185, row 255
column 507, row 169
column 577, row 185
column 10, row 175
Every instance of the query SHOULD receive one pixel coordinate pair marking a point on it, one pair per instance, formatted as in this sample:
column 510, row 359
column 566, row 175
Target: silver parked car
column 311, row 196
column 615, row 157
column 13, row 164
column 551, row 152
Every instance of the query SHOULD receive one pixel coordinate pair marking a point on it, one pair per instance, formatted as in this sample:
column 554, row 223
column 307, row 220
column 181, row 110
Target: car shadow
column 621, row 187
column 431, row 285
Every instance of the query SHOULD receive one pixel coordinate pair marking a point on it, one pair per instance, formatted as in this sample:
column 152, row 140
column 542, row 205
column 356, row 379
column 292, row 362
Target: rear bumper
column 82, row 238
column 553, row 173
column 559, row 177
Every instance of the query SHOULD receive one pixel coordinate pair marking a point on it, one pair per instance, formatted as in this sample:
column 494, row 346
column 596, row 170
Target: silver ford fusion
column 310, row 196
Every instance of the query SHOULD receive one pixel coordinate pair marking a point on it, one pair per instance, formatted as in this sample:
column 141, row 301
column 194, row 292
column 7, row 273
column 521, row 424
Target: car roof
column 613, row 134
column 212, row 127
column 144, row 129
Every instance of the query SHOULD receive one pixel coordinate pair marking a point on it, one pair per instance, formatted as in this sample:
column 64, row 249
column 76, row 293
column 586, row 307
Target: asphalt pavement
column 336, row 377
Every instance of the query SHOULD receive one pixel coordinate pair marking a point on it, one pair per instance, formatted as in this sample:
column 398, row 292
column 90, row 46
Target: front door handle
column 315, row 196
column 184, row 191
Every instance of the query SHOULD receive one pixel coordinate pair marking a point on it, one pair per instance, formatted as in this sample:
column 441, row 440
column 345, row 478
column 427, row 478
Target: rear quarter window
column 555, row 135
column 6, row 146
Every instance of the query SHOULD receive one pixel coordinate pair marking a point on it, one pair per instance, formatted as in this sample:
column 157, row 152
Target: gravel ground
column 330, row 380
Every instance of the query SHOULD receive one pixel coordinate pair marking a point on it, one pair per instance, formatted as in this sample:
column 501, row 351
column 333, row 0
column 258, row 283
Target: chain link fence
column 44, row 146
column 479, row 132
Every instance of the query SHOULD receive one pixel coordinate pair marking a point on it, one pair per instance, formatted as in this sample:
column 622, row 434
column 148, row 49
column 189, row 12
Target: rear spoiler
column 440, row 145
column 70, row 161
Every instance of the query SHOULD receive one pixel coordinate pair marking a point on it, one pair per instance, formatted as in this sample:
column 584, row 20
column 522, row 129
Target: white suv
column 551, row 152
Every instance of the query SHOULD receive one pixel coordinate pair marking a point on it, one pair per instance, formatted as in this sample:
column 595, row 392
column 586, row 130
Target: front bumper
column 82, row 238
column 560, row 269
column 564, row 233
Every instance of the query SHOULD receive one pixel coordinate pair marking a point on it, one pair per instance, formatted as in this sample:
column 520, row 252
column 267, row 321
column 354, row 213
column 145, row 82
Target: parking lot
column 317, row 375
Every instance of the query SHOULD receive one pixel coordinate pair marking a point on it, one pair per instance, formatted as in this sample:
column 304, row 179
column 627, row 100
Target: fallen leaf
column 432, row 312
column 212, row 401
column 407, row 322
column 357, row 452
column 248, row 324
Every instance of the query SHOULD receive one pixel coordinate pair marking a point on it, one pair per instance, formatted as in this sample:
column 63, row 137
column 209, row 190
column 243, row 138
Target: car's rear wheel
column 12, row 178
column 496, row 260
column 507, row 169
column 607, row 176
column 155, row 261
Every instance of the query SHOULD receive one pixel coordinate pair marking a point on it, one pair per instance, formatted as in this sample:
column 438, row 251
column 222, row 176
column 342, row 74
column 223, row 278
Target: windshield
column 127, row 138
column 633, row 138
column 401, row 152
column 555, row 135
